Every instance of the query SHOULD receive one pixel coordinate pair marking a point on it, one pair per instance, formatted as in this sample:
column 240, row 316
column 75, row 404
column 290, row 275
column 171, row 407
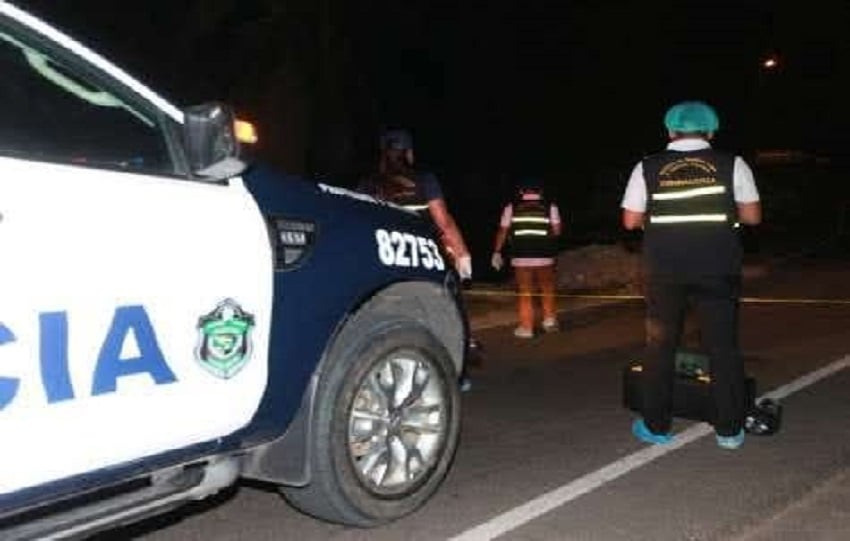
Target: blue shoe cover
column 642, row 432
column 731, row 442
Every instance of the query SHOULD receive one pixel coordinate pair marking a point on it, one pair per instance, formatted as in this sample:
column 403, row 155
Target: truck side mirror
column 209, row 138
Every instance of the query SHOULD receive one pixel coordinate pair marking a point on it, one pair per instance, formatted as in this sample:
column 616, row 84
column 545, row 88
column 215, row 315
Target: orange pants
column 525, row 279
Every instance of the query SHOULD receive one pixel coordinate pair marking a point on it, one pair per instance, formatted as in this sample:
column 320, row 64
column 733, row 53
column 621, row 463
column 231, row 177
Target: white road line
column 812, row 377
column 520, row 515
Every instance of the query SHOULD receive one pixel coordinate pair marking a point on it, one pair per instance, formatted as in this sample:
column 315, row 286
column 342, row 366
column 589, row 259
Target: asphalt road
column 547, row 454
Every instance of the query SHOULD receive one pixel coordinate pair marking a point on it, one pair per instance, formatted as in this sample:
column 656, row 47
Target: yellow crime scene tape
column 601, row 297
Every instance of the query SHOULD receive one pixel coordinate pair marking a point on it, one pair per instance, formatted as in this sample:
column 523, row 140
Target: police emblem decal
column 224, row 339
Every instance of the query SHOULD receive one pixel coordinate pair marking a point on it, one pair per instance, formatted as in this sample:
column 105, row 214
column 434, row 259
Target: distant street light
column 770, row 63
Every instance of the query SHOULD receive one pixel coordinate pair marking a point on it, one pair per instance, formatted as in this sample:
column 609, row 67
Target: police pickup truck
column 171, row 322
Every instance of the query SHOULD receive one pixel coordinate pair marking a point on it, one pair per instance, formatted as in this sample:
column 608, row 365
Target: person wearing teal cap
column 690, row 201
column 691, row 117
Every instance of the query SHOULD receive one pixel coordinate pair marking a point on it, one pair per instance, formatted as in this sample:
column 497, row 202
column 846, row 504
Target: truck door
column 134, row 302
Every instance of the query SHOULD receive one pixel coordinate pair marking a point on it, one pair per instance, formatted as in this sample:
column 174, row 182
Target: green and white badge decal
column 224, row 339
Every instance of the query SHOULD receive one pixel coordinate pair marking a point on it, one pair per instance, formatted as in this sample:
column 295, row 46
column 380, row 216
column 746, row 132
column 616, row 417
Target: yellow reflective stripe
column 687, row 194
column 525, row 232
column 530, row 220
column 676, row 219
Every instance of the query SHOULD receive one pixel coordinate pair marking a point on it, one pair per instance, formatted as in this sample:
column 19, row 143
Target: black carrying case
column 691, row 388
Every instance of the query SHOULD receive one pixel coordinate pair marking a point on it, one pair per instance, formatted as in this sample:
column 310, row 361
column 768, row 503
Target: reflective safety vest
column 407, row 193
column 401, row 190
column 530, row 233
column 691, row 218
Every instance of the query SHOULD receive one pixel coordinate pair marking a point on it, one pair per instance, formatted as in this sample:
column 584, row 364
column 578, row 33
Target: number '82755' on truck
column 171, row 322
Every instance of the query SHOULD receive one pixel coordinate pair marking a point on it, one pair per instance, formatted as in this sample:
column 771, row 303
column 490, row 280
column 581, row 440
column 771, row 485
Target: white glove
column 496, row 261
column 464, row 267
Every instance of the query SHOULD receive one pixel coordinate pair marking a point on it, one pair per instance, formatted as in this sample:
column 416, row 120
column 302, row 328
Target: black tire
column 339, row 491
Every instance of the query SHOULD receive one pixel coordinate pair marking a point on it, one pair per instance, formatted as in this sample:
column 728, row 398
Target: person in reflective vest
column 398, row 181
column 529, row 228
column 690, row 200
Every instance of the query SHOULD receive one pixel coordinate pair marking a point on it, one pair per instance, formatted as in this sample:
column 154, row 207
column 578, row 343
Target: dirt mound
column 596, row 267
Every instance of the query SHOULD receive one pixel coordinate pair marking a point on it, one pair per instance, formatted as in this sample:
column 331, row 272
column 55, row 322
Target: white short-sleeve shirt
column 743, row 182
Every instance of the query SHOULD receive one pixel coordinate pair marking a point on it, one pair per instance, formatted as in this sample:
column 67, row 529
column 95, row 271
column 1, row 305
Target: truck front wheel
column 385, row 426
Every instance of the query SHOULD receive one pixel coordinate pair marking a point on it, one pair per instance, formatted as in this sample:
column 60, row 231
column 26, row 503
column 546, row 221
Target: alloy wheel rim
column 397, row 423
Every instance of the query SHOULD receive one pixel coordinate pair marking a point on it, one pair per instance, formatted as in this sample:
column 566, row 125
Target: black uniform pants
column 716, row 299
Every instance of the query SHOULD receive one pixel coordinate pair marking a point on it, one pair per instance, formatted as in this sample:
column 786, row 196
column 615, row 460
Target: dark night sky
column 554, row 80
column 535, row 80
column 571, row 90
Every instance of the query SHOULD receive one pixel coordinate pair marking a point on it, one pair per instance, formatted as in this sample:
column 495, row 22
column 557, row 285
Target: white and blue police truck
column 172, row 320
